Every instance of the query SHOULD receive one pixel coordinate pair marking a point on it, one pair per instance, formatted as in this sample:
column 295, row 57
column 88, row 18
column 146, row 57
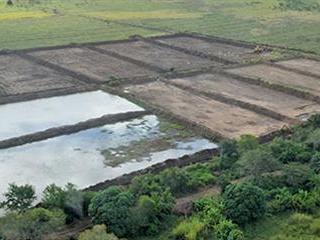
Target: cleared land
column 95, row 65
column 280, row 76
column 18, row 76
column 277, row 101
column 229, row 121
column 164, row 58
column 211, row 48
column 305, row 65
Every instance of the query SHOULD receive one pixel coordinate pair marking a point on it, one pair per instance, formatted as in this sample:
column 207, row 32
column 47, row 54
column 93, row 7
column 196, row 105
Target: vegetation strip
column 69, row 129
column 128, row 59
column 199, row 157
column 238, row 103
column 309, row 74
column 79, row 76
column 191, row 52
column 273, row 86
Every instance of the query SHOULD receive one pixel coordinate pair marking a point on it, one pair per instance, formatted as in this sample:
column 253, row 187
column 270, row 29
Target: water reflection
column 77, row 158
column 27, row 117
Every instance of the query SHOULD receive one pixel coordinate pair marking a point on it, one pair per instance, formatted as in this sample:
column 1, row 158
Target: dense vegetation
column 257, row 182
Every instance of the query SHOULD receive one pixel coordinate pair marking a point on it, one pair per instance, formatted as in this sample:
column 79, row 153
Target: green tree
column 32, row 224
column 244, row 202
column 18, row 198
column 247, row 143
column 112, row 208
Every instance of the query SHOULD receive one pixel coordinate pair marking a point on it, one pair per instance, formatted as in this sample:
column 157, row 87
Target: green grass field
column 35, row 23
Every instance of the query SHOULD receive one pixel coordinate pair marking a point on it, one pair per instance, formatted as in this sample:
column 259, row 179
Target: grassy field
column 34, row 23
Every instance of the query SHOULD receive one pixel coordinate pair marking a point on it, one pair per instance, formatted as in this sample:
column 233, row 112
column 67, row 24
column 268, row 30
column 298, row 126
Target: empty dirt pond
column 19, row 76
column 307, row 65
column 161, row 57
column 79, row 158
column 32, row 116
column 279, row 102
column 96, row 65
column 222, row 50
column 230, row 121
column 279, row 76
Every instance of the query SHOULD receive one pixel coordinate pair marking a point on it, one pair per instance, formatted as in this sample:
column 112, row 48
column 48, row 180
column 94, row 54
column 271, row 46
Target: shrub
column 247, row 143
column 18, row 198
column 297, row 176
column 226, row 230
column 69, row 199
column 257, row 162
column 315, row 162
column 146, row 185
column 150, row 212
column 190, row 229
column 304, row 201
column 112, row 208
column 287, row 151
column 31, row 224
column 98, row 232
column 199, row 175
column 280, row 200
column 244, row 202
column 175, row 179
column 228, row 153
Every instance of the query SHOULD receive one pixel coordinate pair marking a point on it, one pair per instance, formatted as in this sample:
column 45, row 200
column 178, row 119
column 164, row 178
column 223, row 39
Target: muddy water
column 80, row 158
column 27, row 117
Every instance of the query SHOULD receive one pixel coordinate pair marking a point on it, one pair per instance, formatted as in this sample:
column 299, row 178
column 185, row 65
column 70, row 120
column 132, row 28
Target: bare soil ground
column 18, row 76
column 162, row 57
column 222, row 50
column 229, row 121
column 306, row 65
column 279, row 76
column 288, row 105
column 93, row 64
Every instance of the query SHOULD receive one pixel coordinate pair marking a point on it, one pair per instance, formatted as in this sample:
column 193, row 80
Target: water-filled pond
column 98, row 154
column 32, row 116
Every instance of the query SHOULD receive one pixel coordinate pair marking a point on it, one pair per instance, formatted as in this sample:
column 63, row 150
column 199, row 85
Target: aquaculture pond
column 98, row 154
column 32, row 116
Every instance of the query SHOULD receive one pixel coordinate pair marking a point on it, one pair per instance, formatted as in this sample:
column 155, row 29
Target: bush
column 244, row 202
column 98, row 232
column 190, row 229
column 226, row 230
column 31, row 224
column 287, row 151
column 112, row 208
column 315, row 162
column 69, row 199
column 257, row 162
column 297, row 176
column 150, row 212
column 146, row 185
column 18, row 198
column 247, row 143
column 280, row 200
column 228, row 153
column 199, row 175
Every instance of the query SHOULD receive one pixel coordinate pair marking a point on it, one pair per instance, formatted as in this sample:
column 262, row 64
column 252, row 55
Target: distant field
column 291, row 23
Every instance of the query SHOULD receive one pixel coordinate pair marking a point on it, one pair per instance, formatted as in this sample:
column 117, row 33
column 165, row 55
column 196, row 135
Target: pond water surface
column 32, row 116
column 80, row 158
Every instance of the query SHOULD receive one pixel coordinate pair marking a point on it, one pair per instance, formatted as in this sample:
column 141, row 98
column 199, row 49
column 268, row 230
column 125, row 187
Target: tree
column 259, row 161
column 247, row 143
column 244, row 202
column 98, row 232
column 18, row 198
column 32, row 224
column 112, row 208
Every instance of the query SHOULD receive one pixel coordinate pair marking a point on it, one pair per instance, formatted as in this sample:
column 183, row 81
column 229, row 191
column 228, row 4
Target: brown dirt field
column 18, row 76
column 95, row 65
column 160, row 56
column 279, row 76
column 306, row 65
column 223, row 50
column 229, row 121
column 279, row 102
